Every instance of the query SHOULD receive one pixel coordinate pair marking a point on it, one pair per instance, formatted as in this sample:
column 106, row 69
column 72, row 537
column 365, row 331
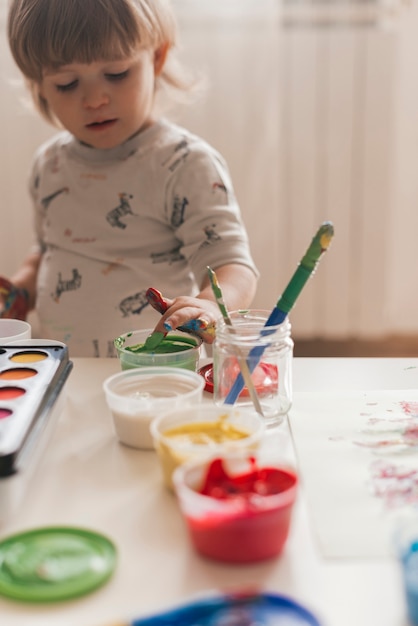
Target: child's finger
column 199, row 327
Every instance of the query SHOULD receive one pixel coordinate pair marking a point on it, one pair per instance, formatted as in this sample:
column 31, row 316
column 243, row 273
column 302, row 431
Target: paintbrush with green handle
column 319, row 244
column 217, row 292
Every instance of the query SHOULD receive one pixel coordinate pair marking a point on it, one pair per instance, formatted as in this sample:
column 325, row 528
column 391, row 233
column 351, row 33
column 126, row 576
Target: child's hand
column 194, row 315
column 14, row 302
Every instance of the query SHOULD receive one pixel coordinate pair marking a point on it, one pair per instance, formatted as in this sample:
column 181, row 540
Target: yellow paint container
column 204, row 430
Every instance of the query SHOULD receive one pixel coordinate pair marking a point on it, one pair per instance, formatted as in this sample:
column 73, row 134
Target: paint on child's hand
column 195, row 325
column 200, row 328
column 15, row 301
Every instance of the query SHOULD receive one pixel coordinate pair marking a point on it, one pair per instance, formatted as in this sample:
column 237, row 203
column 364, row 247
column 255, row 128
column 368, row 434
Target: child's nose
column 95, row 96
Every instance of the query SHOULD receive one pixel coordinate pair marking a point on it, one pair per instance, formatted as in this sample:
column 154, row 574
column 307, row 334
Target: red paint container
column 235, row 511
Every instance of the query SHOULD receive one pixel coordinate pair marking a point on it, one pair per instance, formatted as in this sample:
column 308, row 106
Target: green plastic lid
column 54, row 563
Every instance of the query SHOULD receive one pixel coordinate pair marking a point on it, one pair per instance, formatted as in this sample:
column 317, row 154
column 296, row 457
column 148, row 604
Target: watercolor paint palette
column 31, row 379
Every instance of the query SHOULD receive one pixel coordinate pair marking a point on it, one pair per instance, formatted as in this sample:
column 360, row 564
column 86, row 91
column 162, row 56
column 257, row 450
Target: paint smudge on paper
column 405, row 437
column 409, row 408
column 384, row 420
column 395, row 484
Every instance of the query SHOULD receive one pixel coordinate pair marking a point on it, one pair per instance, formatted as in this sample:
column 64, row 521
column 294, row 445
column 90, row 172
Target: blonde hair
column 46, row 34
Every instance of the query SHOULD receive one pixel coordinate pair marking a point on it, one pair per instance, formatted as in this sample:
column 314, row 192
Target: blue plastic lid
column 239, row 609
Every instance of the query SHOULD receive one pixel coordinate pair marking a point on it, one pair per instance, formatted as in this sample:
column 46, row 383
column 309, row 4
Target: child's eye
column 116, row 77
column 68, row 86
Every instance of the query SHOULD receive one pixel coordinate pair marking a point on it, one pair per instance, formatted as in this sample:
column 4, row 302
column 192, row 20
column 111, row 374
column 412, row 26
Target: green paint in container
column 177, row 349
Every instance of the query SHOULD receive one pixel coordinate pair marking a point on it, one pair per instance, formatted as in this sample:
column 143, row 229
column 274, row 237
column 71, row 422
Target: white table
column 86, row 478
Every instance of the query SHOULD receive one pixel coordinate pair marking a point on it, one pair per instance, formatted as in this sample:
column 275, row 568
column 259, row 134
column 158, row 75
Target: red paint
column 9, row 393
column 251, row 521
column 409, row 408
column 411, row 432
column 5, row 413
column 265, row 378
column 395, row 484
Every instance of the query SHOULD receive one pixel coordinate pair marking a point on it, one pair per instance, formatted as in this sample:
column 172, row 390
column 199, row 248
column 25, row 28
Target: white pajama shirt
column 153, row 212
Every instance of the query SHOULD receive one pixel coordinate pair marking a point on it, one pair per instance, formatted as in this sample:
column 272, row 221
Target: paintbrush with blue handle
column 319, row 244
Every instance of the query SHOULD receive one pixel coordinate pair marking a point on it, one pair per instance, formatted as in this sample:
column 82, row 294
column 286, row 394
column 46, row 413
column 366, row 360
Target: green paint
column 169, row 343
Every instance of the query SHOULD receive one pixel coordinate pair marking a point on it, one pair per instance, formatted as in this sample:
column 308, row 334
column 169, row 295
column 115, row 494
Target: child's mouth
column 101, row 125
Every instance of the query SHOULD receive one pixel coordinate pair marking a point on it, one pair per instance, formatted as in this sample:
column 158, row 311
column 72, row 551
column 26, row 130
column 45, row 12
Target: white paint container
column 136, row 397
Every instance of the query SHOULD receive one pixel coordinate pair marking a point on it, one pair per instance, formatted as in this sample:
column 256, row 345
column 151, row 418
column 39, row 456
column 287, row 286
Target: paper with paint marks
column 358, row 461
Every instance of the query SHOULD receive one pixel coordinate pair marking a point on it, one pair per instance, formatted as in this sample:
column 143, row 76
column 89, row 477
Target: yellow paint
column 188, row 441
column 204, row 433
column 28, row 357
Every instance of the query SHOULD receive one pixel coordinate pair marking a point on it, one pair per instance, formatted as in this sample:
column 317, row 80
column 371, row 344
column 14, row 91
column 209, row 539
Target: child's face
column 105, row 102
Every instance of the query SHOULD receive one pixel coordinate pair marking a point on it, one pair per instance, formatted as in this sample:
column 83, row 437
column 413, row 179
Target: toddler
column 123, row 198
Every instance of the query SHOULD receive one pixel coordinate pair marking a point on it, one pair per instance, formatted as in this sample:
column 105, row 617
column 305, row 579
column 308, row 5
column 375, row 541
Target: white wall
column 402, row 276
column 21, row 132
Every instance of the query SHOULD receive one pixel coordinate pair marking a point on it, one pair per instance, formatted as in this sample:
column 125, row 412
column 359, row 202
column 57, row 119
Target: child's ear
column 160, row 55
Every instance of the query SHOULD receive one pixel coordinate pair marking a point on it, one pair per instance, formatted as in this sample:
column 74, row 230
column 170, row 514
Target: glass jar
column 268, row 353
